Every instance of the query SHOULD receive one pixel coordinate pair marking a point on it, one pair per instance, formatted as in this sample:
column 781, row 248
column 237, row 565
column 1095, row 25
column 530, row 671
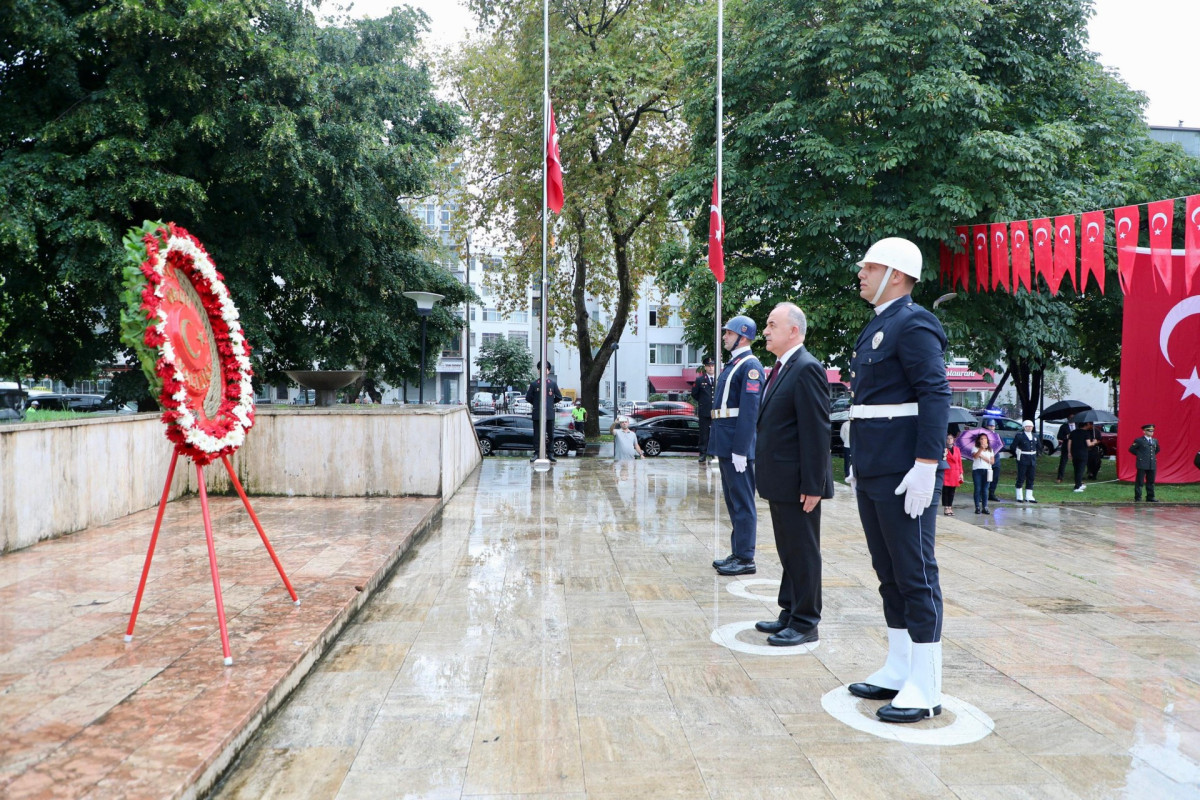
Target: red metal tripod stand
column 212, row 553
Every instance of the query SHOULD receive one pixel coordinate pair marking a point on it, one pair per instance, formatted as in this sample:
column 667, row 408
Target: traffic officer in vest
column 732, row 439
column 1025, row 449
column 901, row 405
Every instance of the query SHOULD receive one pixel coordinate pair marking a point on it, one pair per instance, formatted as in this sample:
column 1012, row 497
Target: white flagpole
column 543, row 462
column 720, row 193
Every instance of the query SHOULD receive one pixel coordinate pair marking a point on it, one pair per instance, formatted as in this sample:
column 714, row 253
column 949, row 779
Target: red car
column 663, row 408
column 1108, row 438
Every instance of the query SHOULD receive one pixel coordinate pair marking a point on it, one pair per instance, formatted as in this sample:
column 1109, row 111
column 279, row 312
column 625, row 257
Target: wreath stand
column 212, row 553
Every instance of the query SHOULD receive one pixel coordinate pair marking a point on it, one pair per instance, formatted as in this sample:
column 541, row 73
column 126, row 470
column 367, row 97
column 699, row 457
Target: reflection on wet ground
column 552, row 637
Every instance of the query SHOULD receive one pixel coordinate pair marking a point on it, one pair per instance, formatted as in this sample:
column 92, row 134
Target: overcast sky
column 1149, row 42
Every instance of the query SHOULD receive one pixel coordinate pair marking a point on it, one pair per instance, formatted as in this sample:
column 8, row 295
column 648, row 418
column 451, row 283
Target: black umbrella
column 961, row 415
column 1094, row 415
column 1062, row 408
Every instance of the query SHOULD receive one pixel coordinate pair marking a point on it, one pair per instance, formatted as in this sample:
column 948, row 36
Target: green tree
column 616, row 82
column 282, row 145
column 850, row 120
column 505, row 362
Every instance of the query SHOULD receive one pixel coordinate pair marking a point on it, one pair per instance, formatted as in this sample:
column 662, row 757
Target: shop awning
column 670, row 383
column 965, row 380
column 833, row 375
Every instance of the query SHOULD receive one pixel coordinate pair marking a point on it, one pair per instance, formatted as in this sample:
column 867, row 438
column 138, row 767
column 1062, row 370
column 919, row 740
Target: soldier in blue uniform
column 732, row 440
column 897, row 436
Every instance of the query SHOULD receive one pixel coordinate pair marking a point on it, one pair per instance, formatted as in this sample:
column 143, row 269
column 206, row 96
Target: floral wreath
column 207, row 416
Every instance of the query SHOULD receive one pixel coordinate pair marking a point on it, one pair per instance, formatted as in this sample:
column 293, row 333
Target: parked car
column 84, row 403
column 627, row 407
column 668, row 432
column 663, row 408
column 836, row 445
column 12, row 401
column 1108, row 438
column 512, row 432
column 483, row 403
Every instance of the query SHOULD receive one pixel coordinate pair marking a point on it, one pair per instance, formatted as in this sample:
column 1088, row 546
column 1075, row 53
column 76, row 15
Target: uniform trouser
column 705, row 424
column 1026, row 468
column 549, row 435
column 739, row 501
column 1146, row 475
column 798, row 541
column 902, row 555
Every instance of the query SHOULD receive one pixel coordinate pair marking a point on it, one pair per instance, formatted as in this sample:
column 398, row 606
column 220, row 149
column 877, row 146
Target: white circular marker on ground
column 970, row 724
column 742, row 588
column 726, row 636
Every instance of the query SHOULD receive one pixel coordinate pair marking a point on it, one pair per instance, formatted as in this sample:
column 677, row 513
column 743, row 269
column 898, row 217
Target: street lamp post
column 425, row 302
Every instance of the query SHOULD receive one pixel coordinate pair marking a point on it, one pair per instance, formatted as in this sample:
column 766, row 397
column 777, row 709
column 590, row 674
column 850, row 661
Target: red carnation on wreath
column 185, row 329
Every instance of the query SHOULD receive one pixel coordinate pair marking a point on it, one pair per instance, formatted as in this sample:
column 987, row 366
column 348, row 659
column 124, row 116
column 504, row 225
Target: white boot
column 894, row 672
column 1029, row 496
column 923, row 689
column 1020, row 495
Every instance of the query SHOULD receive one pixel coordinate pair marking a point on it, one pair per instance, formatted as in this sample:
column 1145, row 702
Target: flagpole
column 543, row 462
column 720, row 194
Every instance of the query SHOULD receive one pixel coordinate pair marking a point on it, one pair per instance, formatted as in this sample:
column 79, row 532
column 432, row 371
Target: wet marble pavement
column 85, row 714
column 553, row 637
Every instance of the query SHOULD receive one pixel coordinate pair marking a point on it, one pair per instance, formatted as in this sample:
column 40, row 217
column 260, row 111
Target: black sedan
column 671, row 432
column 512, row 432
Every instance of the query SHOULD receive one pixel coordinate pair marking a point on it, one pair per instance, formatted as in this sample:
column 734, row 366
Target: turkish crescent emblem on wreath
column 876, row 340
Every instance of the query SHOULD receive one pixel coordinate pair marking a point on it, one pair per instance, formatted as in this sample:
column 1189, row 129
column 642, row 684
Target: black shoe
column 1151, row 500
column 737, row 567
column 977, row 511
column 1031, row 501
column 729, row 559
column 790, row 637
column 702, row 459
column 890, row 713
column 770, row 626
column 553, row 460
column 993, row 498
column 1137, row 499
column 985, row 510
column 869, row 691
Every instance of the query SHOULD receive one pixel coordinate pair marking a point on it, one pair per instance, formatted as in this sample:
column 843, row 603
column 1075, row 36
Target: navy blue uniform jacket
column 737, row 435
column 899, row 358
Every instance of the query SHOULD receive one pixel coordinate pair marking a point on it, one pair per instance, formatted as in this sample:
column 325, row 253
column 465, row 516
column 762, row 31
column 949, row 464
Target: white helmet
column 899, row 254
column 1027, row 423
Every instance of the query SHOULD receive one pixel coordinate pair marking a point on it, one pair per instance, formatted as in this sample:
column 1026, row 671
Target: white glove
column 918, row 483
column 739, row 462
column 851, row 481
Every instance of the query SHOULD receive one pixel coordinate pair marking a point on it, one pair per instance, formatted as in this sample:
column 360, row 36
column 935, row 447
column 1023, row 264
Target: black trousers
column 1146, row 475
column 798, row 540
column 1062, row 459
column 705, row 424
column 1080, row 465
column 902, row 555
column 1026, row 469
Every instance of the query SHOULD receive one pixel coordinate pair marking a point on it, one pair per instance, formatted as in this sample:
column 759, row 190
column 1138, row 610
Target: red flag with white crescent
column 1191, row 241
column 1125, row 228
column 1019, row 233
column 716, row 237
column 1043, row 249
column 1064, row 252
column 554, row 174
column 1091, row 249
column 1160, row 372
column 979, row 239
column 962, row 258
column 1162, row 217
column 1000, row 268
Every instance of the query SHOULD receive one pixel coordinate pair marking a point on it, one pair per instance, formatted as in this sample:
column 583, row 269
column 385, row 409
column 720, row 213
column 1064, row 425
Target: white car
column 521, row 407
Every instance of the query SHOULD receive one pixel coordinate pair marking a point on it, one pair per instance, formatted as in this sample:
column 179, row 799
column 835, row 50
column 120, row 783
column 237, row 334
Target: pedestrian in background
column 953, row 477
column 1145, row 448
column 982, row 458
column 1025, row 449
column 702, row 394
column 1064, row 432
column 1079, row 442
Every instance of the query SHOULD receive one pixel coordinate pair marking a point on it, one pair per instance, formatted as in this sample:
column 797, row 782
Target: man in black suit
column 544, row 407
column 702, row 393
column 795, row 471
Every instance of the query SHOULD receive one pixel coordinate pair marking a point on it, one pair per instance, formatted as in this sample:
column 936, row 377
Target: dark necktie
column 771, row 378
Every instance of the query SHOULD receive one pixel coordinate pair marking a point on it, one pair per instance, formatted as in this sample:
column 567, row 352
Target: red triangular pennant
column 1043, row 252
column 1091, row 249
column 1125, row 232
column 1191, row 242
column 1064, row 252
column 979, row 239
column 1000, row 268
column 1019, row 232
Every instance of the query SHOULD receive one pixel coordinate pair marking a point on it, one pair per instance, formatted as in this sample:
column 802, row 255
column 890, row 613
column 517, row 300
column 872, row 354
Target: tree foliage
column 505, row 362
column 850, row 120
column 616, row 87
column 282, row 145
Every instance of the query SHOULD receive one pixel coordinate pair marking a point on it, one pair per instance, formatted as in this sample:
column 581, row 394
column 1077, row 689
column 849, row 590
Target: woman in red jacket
column 953, row 477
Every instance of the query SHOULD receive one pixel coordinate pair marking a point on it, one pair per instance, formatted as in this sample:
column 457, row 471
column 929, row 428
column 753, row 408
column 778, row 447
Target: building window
column 518, row 336
column 445, row 220
column 492, row 337
column 491, row 315
column 430, row 214
column 653, row 318
column 669, row 354
column 519, row 316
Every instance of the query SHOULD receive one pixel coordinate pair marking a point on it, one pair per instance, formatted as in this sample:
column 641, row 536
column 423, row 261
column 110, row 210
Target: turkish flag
column 1125, row 222
column 554, row 174
column 1000, row 268
column 1191, row 241
column 979, row 238
column 1019, row 232
column 962, row 259
column 1043, row 254
column 1160, row 372
column 1162, row 217
column 1064, row 252
column 716, row 236
column 1091, row 249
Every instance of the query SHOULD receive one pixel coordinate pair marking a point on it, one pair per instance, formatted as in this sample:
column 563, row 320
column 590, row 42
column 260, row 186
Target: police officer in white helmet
column 901, row 404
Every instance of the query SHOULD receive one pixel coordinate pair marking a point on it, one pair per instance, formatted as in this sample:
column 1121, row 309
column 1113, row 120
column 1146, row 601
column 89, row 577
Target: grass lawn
column 1105, row 489
column 37, row 415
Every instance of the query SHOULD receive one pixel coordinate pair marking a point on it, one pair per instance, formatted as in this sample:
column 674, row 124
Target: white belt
column 883, row 410
column 724, row 413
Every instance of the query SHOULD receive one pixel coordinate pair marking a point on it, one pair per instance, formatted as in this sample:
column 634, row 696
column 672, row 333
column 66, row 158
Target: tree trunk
column 591, row 368
column 1027, row 383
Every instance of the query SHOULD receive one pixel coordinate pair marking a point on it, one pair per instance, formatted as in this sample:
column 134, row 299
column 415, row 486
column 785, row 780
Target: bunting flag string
column 1005, row 253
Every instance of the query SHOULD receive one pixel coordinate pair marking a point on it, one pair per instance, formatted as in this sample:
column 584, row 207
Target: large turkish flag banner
column 1160, row 383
